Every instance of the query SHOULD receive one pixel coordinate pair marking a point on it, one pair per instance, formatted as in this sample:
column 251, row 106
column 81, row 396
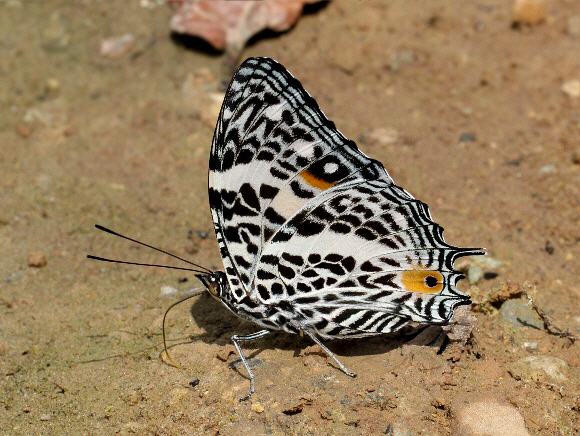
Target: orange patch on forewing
column 314, row 181
column 416, row 280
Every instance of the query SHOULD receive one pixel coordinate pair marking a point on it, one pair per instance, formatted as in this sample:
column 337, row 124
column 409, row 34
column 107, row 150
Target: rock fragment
column 530, row 12
column 475, row 415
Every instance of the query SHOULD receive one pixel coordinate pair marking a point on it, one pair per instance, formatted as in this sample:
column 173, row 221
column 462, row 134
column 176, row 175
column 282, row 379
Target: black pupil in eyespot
column 430, row 281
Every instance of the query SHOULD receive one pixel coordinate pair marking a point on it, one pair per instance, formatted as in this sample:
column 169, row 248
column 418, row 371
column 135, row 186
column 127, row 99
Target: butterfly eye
column 214, row 288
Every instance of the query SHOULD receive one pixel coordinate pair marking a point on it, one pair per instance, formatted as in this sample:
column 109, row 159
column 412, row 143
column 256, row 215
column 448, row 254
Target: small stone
column 573, row 25
column 167, row 291
column 531, row 346
column 572, row 88
column 23, row 130
column 397, row 429
column 257, row 407
column 398, row 60
column 505, row 291
column 117, row 46
column 529, row 12
column 539, row 368
column 380, row 400
column 466, row 111
column 462, row 324
column 384, row 135
column 45, row 417
column 51, row 87
column 548, row 169
column 467, row 137
column 487, row 416
column 488, row 263
column 133, row 397
column 519, row 314
column 36, row 259
column 474, row 274
column 225, row 352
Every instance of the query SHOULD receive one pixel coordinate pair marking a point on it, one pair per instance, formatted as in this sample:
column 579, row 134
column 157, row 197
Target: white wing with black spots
column 315, row 235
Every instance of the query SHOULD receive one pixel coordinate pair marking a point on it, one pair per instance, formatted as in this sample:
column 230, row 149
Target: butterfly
column 315, row 236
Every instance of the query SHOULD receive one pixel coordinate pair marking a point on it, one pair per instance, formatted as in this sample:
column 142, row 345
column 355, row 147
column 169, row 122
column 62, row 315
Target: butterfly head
column 215, row 282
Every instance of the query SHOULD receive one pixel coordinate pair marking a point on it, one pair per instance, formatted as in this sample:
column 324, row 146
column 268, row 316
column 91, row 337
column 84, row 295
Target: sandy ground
column 466, row 112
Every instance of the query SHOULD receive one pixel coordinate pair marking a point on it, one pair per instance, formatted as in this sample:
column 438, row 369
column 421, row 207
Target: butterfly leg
column 236, row 340
column 330, row 353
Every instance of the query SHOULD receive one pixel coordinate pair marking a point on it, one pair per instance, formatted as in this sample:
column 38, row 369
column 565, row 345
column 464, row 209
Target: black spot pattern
column 330, row 256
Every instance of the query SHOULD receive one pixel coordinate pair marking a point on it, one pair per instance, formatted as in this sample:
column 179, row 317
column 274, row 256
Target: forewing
column 269, row 132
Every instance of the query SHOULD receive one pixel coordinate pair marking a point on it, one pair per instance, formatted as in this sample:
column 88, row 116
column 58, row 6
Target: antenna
column 104, row 229
column 201, row 270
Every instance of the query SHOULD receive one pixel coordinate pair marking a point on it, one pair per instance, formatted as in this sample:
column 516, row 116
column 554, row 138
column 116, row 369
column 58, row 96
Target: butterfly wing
column 304, row 218
column 268, row 129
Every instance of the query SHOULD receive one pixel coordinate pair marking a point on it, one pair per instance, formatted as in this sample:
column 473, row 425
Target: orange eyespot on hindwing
column 422, row 280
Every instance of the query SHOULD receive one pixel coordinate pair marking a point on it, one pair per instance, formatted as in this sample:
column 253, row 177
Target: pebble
column 36, row 259
column 573, row 25
column 478, row 268
column 530, row 12
column 397, row 429
column 167, row 291
column 531, row 346
column 487, row 416
column 539, row 368
column 51, row 87
column 398, row 60
column 488, row 263
column 380, row 400
column 384, row 135
column 519, row 314
column 23, row 130
column 257, row 407
column 505, row 291
column 466, row 111
column 117, row 46
column 467, row 137
column 548, row 169
column 133, row 397
column 45, row 417
column 571, row 88
column 474, row 274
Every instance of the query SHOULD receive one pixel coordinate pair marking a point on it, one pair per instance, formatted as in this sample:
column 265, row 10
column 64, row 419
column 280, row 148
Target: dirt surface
column 466, row 112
